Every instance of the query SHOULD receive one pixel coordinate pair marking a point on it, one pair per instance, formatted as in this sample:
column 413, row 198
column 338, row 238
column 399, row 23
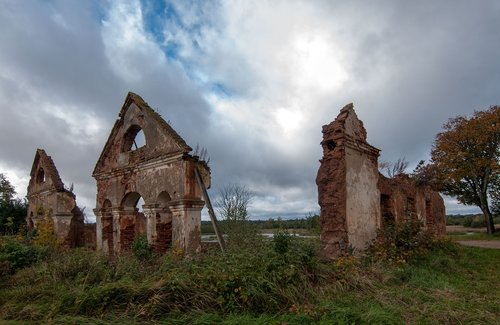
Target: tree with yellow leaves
column 45, row 236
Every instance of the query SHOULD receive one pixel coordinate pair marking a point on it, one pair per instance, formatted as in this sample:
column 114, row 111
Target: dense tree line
column 310, row 223
column 12, row 209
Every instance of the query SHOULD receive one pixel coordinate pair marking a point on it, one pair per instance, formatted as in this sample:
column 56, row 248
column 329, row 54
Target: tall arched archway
column 163, row 220
column 130, row 200
column 132, row 219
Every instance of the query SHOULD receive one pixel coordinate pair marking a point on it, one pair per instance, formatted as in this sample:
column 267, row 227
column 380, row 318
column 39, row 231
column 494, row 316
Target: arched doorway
column 163, row 218
column 132, row 222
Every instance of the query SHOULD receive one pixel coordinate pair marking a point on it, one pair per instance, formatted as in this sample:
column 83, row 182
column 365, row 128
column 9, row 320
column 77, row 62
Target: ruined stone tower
column 347, row 186
column 162, row 172
column 48, row 198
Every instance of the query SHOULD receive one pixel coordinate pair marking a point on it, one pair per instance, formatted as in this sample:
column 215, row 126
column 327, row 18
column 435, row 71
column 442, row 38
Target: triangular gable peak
column 135, row 116
column 348, row 124
column 346, row 129
column 44, row 173
column 353, row 126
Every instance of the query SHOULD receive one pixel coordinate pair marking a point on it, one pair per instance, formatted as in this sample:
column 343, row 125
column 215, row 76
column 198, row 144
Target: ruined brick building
column 161, row 172
column 356, row 200
column 48, row 197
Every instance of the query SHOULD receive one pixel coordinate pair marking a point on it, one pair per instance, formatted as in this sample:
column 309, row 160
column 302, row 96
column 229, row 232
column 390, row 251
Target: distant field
column 459, row 233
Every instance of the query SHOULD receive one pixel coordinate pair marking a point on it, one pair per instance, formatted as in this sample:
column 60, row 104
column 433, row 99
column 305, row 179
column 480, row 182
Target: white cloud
column 17, row 178
column 81, row 127
column 130, row 51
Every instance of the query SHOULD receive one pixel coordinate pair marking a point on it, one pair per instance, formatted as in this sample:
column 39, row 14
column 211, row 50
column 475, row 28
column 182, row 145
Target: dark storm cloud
column 439, row 60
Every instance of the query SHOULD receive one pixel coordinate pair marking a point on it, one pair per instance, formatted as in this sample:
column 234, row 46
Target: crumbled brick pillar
column 348, row 166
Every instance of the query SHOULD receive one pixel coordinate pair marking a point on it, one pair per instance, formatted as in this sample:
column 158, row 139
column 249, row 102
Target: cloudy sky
column 251, row 81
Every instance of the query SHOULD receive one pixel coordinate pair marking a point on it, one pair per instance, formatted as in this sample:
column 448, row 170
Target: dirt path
column 481, row 243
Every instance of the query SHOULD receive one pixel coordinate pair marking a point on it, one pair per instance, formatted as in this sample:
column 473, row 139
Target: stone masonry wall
column 356, row 200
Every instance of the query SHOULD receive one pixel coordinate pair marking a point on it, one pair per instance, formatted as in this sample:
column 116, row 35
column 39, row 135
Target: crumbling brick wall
column 356, row 200
column 89, row 232
column 347, row 192
column 407, row 201
column 161, row 173
column 48, row 197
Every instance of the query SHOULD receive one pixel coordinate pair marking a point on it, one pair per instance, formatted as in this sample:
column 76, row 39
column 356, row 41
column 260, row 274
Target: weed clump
column 142, row 248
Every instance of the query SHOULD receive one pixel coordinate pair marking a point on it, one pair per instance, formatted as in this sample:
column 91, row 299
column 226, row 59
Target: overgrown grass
column 264, row 282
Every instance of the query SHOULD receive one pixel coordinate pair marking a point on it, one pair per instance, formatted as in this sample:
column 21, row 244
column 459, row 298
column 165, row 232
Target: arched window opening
column 163, row 199
column 139, row 204
column 134, row 139
column 40, row 176
column 106, row 204
column 133, row 200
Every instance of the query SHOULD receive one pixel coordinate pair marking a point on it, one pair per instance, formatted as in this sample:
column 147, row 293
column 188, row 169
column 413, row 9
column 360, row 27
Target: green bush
column 141, row 248
column 478, row 222
column 467, row 221
column 243, row 279
column 281, row 241
column 15, row 255
column 403, row 243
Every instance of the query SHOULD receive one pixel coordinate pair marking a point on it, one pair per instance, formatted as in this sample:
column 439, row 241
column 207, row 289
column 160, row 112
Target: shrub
column 15, row 255
column 141, row 248
column 467, row 222
column 402, row 243
column 254, row 279
column 281, row 241
column 478, row 222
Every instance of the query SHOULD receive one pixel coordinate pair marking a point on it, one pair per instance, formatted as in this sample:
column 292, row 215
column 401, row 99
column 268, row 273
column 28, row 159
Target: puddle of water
column 213, row 238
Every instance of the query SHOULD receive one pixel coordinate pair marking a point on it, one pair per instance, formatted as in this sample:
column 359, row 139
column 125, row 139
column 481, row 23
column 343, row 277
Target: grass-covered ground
column 263, row 282
column 466, row 235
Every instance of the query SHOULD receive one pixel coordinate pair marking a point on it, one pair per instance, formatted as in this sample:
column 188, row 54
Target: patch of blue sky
column 154, row 16
column 159, row 14
column 101, row 11
column 220, row 90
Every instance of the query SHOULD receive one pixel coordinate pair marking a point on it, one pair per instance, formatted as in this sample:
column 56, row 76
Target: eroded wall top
column 44, row 174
